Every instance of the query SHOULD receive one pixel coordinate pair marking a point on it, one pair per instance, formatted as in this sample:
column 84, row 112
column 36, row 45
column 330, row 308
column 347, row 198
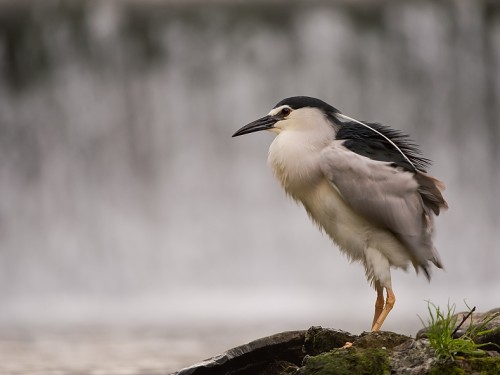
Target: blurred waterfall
column 123, row 196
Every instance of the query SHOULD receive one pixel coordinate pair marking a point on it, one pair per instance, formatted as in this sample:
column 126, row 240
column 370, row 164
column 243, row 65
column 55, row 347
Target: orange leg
column 380, row 316
column 379, row 305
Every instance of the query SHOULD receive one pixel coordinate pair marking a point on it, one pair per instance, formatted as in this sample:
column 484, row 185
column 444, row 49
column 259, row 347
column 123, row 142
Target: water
column 126, row 204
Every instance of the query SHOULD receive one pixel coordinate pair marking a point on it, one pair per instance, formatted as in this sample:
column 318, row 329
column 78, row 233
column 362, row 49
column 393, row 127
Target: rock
column 388, row 340
column 304, row 352
column 268, row 355
column 413, row 357
column 347, row 361
column 319, row 351
column 319, row 340
column 493, row 326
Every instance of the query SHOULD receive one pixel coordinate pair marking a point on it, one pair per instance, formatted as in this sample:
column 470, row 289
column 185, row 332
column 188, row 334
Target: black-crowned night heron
column 364, row 184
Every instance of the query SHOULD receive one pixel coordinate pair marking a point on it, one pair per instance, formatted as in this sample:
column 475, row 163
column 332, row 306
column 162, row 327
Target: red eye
column 286, row 111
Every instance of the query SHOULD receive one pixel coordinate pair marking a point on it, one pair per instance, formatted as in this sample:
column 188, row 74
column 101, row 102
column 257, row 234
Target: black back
column 366, row 142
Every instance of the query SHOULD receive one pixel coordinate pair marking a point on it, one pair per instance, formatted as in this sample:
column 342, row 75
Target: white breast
column 296, row 165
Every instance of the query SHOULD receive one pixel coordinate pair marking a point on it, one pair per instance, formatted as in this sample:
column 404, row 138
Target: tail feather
column 430, row 190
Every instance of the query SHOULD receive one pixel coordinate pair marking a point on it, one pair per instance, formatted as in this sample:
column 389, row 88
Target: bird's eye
column 286, row 111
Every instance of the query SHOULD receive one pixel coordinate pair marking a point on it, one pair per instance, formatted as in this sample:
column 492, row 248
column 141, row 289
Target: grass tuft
column 442, row 325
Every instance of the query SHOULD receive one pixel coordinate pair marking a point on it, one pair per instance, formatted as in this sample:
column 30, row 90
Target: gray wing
column 389, row 197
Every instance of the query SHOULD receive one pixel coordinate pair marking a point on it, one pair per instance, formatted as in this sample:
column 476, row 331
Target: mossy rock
column 347, row 361
column 468, row 365
column 319, row 351
column 487, row 365
column 448, row 368
column 388, row 340
column 319, row 340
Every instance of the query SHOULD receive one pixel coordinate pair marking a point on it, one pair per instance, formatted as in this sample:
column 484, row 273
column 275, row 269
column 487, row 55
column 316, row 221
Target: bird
column 364, row 184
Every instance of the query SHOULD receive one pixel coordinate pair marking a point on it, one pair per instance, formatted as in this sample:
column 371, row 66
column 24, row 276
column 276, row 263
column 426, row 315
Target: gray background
column 126, row 206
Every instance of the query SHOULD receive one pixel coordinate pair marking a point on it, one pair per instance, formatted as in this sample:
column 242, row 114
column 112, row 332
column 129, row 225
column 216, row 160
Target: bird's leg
column 379, row 304
column 389, row 303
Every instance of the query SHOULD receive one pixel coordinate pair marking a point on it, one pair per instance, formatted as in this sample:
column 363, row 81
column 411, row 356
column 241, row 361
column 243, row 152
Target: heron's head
column 297, row 113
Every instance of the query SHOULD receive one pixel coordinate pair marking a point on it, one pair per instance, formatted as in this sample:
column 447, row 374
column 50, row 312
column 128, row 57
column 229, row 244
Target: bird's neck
column 294, row 158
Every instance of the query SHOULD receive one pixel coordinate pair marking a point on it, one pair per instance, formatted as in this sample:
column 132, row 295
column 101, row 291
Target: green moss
column 446, row 368
column 388, row 340
column 487, row 365
column 470, row 365
column 319, row 340
column 348, row 361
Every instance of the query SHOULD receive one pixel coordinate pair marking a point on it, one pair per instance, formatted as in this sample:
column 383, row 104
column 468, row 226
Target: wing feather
column 380, row 142
column 390, row 198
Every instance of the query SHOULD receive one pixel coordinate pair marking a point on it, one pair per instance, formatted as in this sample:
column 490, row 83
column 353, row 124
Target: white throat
column 294, row 153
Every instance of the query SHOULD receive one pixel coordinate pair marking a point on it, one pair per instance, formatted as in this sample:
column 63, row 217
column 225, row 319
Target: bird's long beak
column 264, row 123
